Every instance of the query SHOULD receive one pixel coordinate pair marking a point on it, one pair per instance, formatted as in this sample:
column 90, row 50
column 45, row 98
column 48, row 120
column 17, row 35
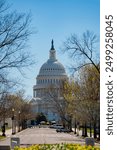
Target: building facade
column 51, row 74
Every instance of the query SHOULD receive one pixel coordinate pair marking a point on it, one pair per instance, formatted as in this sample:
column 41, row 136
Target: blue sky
column 55, row 19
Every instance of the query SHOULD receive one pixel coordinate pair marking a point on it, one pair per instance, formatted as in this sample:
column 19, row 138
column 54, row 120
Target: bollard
column 89, row 141
column 15, row 141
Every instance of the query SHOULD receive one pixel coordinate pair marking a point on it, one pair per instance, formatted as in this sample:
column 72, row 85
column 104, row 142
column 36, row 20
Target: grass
column 2, row 137
column 88, row 130
column 6, row 128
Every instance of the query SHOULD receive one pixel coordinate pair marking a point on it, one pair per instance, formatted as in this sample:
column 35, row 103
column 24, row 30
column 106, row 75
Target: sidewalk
column 33, row 136
column 9, row 132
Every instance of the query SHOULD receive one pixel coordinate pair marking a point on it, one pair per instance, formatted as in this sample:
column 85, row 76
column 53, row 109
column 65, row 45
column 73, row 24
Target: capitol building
column 51, row 74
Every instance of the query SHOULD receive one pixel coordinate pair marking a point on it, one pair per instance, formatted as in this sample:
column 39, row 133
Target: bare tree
column 83, row 49
column 15, row 30
column 60, row 105
column 14, row 33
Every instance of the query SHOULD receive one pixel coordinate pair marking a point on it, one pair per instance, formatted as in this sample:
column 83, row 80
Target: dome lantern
column 52, row 52
column 52, row 45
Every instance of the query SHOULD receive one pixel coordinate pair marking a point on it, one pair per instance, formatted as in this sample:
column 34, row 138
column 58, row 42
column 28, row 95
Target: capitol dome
column 52, row 72
column 52, row 66
column 50, row 77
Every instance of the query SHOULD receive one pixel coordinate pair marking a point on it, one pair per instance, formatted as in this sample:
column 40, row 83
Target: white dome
column 51, row 72
column 52, row 68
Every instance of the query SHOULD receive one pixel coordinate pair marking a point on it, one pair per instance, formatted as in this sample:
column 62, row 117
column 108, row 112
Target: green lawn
column 88, row 130
column 7, row 128
column 1, row 137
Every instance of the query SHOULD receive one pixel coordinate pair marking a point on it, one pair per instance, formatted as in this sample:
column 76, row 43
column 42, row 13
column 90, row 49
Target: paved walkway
column 42, row 136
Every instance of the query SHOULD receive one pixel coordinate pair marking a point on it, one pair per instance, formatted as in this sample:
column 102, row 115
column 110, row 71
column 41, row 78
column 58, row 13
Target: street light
column 4, row 115
column 3, row 130
column 13, row 131
column 3, row 127
column 75, row 122
column 19, row 121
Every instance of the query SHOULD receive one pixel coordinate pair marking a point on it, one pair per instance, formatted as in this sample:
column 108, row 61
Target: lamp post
column 3, row 128
column 75, row 122
column 13, row 130
column 19, row 121
column 4, row 115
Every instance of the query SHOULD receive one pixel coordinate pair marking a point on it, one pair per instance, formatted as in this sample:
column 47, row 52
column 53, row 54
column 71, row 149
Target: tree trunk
column 75, row 126
column 64, row 124
column 85, row 129
column 70, row 124
column 90, row 130
column 77, row 129
column 94, row 127
column 99, row 132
